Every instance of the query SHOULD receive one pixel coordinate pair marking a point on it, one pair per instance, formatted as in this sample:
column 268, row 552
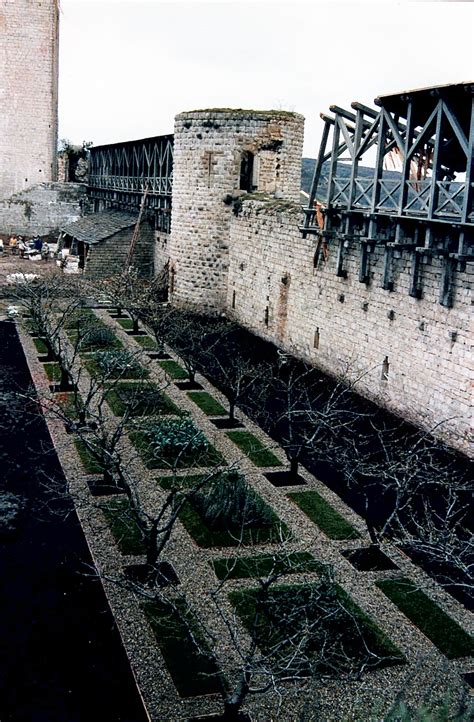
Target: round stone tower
column 222, row 157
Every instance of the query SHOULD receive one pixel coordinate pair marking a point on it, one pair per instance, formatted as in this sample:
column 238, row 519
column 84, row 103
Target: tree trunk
column 294, row 465
column 232, row 410
column 234, row 702
column 64, row 380
column 135, row 325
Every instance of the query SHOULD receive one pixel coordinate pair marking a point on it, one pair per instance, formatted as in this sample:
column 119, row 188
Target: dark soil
column 227, row 423
column 369, row 559
column 188, row 385
column 61, row 657
column 284, row 478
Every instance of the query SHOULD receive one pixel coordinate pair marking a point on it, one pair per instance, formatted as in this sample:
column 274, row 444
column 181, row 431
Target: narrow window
column 233, row 299
column 266, row 316
column 246, row 171
column 385, row 369
column 316, row 339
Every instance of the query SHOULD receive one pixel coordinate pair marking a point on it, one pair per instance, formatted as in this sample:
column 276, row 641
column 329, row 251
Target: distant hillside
column 343, row 169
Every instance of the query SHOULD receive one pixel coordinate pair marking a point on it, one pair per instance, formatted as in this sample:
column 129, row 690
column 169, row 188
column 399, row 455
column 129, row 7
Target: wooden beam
column 458, row 131
column 469, row 192
column 434, row 190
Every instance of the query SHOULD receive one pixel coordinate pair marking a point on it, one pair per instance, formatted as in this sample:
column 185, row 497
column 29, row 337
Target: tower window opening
column 385, row 369
column 247, row 176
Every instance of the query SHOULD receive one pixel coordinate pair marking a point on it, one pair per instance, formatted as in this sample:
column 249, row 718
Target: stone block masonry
column 410, row 355
column 42, row 209
column 28, row 93
column 219, row 156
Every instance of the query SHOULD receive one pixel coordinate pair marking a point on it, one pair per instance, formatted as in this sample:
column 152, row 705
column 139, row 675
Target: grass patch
column 123, row 526
column 323, row 515
column 146, row 342
column 52, row 371
column 90, row 463
column 444, row 632
column 207, row 403
column 140, row 400
column 41, row 346
column 293, row 623
column 253, row 448
column 80, row 316
column 262, row 565
column 69, row 408
column 125, row 323
column 178, row 636
column 173, row 369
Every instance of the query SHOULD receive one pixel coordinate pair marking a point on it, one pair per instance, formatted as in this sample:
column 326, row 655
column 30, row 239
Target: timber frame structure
column 122, row 175
column 425, row 209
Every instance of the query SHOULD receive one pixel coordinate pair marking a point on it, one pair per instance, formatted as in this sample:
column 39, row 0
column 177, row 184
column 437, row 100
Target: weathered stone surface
column 28, row 92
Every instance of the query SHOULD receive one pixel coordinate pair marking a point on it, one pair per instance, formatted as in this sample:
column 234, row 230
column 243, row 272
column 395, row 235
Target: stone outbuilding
column 102, row 243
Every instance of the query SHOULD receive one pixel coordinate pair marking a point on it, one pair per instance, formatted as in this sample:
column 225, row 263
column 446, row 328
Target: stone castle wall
column 42, row 209
column 411, row 356
column 209, row 148
column 247, row 259
column 28, row 93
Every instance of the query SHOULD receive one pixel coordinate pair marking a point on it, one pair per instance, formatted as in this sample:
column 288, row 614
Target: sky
column 127, row 67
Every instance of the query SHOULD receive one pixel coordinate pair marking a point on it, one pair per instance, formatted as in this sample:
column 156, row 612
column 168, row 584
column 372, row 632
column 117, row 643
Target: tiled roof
column 96, row 227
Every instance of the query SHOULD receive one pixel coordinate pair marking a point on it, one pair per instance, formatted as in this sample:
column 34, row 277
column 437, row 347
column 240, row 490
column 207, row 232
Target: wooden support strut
column 136, row 232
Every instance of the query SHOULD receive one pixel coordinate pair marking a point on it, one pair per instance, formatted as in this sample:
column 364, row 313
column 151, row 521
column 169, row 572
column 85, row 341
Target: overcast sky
column 128, row 67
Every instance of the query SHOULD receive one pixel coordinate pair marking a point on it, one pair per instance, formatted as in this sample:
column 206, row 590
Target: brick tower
column 28, row 93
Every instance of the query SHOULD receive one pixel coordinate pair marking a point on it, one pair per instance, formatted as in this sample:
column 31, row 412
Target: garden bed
column 312, row 618
column 177, row 633
column 253, row 448
column 123, row 526
column 229, row 512
column 323, row 515
column 140, row 400
column 112, row 366
column 90, row 463
column 444, row 632
column 264, row 565
column 191, row 450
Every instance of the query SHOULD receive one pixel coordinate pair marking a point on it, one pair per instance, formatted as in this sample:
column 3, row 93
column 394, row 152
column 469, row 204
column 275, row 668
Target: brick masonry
column 248, row 260
column 28, row 93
